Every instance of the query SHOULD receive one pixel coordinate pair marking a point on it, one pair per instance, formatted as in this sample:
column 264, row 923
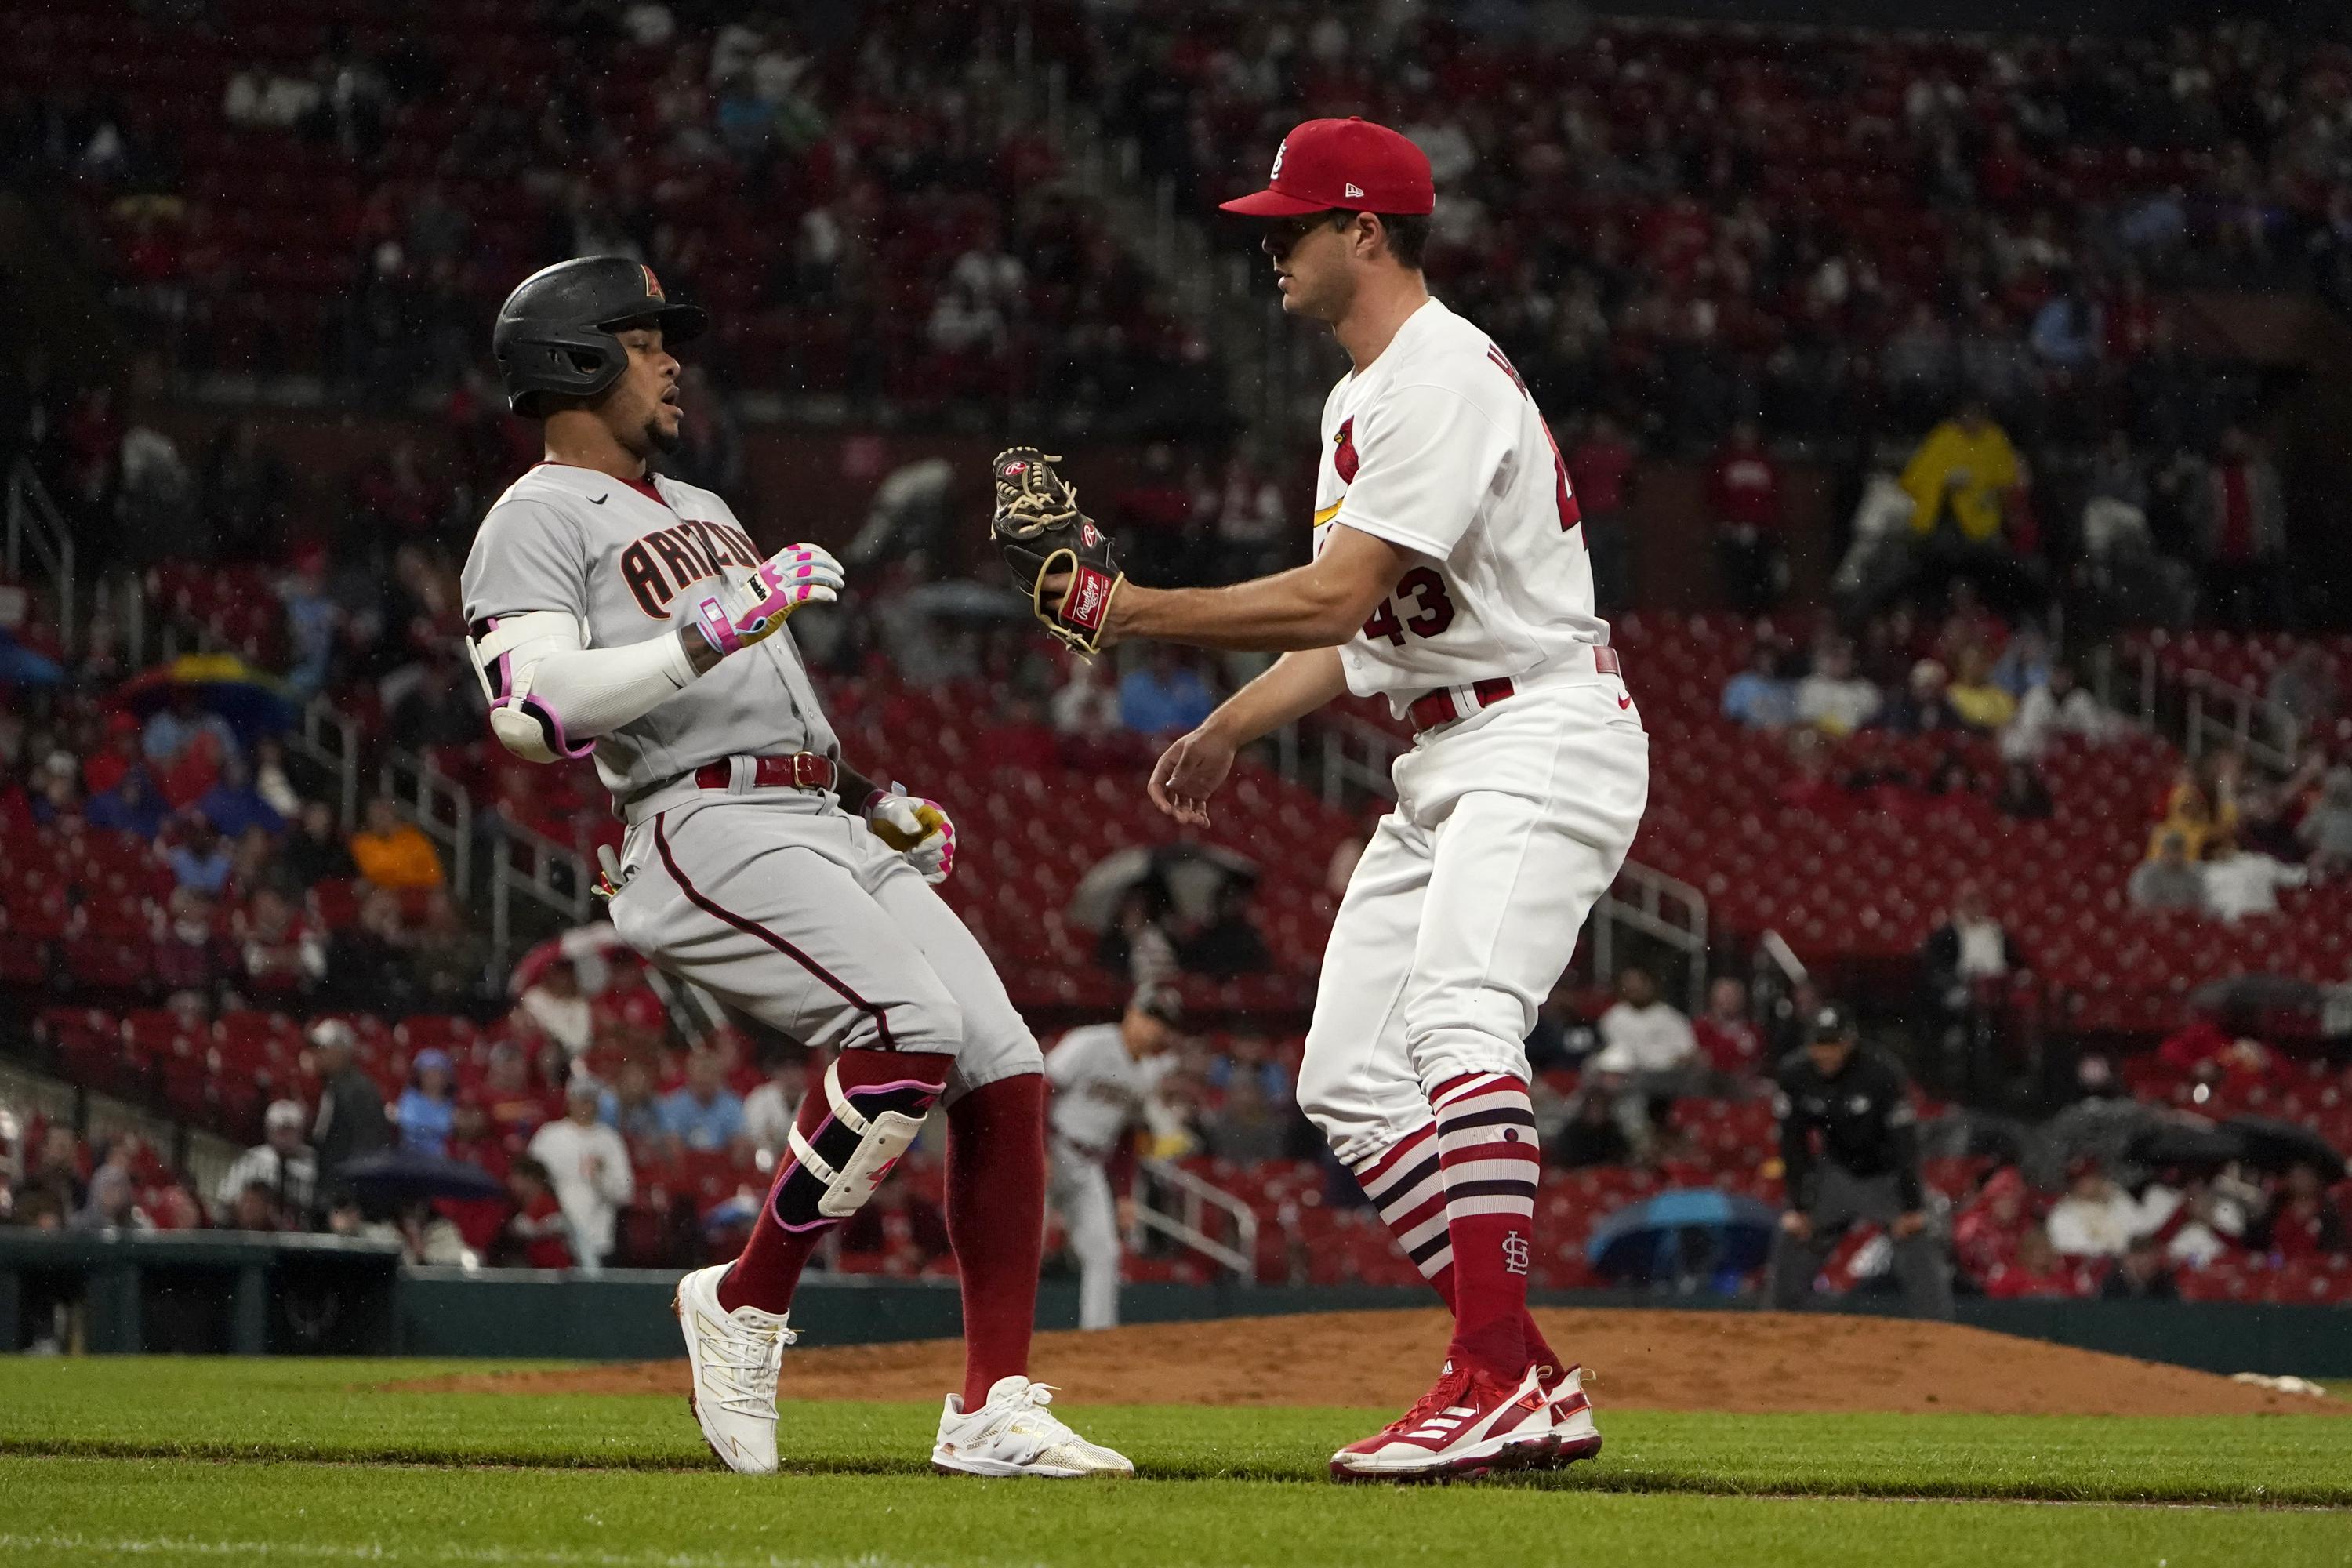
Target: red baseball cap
column 1351, row 163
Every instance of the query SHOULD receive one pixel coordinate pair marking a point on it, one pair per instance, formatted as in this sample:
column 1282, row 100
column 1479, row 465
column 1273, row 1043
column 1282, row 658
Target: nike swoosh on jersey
column 600, row 501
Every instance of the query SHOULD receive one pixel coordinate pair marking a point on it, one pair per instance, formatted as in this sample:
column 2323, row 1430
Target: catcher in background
column 1451, row 576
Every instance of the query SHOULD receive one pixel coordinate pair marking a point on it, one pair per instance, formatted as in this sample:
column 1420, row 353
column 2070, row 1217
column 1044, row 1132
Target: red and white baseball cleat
column 1571, row 1416
column 1470, row 1422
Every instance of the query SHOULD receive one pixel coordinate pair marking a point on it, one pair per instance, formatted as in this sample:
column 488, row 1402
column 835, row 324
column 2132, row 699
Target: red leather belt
column 1440, row 707
column 1447, row 703
column 801, row 769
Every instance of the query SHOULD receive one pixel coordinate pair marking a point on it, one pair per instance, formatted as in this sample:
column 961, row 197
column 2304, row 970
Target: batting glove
column 919, row 829
column 750, row 612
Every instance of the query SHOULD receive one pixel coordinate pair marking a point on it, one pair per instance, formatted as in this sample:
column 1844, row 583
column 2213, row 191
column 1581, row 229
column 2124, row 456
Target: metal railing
column 437, row 804
column 34, row 524
column 2210, row 710
column 2219, row 712
column 328, row 738
column 1187, row 1227
column 1357, row 753
column 554, row 876
column 1660, row 907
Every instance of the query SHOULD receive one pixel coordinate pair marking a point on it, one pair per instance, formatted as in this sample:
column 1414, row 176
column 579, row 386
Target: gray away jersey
column 629, row 568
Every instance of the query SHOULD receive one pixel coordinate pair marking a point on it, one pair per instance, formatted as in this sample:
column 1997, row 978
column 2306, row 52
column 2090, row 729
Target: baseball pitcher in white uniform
column 1450, row 576
column 1101, row 1075
column 617, row 612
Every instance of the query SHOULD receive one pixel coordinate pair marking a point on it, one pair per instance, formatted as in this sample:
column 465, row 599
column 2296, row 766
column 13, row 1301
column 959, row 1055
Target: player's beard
column 661, row 439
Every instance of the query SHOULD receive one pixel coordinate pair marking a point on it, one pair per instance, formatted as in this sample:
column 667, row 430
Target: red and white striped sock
column 1405, row 1185
column 1403, row 1181
column 1488, row 1162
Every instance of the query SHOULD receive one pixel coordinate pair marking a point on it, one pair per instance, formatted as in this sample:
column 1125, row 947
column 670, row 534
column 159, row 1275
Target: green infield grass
column 298, row 1461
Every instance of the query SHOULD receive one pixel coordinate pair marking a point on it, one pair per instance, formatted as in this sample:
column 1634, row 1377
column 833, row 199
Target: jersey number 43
column 1423, row 591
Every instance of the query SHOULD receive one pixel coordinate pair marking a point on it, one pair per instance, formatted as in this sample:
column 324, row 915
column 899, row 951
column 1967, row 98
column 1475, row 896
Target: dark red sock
column 790, row 1227
column 997, row 1220
column 1486, row 1151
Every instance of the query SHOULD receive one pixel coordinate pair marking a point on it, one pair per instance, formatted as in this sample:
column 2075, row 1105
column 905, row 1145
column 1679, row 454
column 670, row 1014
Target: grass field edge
column 1583, row 1479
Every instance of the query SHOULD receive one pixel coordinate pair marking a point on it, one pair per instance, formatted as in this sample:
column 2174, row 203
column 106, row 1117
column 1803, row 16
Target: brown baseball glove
column 1041, row 532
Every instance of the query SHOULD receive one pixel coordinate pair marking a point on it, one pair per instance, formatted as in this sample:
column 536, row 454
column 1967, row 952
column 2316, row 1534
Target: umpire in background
column 1850, row 1142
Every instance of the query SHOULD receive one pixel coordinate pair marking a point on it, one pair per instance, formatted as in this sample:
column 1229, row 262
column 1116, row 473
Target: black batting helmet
column 556, row 331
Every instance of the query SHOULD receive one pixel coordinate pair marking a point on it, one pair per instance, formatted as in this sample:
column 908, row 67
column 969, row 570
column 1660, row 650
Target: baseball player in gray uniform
column 1101, row 1074
column 619, row 612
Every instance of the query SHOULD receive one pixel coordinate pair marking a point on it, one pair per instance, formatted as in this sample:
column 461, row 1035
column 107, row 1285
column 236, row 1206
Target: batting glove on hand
column 749, row 612
column 919, row 829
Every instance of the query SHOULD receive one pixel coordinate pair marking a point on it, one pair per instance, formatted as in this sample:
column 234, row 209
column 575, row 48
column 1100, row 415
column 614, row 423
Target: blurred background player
column 1101, row 1075
column 1854, row 1103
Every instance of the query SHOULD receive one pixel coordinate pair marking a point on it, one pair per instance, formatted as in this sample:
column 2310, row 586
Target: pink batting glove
column 795, row 575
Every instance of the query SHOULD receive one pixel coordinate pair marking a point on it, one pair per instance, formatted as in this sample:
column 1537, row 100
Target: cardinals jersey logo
column 1343, row 454
column 653, row 284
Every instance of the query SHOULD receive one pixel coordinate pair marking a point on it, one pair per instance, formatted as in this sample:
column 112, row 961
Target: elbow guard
column 507, row 656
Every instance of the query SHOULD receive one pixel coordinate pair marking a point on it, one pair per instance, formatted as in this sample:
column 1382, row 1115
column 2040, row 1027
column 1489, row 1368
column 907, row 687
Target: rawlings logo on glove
column 1042, row 533
column 798, row 575
column 917, row 828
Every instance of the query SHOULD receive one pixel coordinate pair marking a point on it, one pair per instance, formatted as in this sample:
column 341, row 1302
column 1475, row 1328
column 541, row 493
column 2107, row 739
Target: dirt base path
column 1739, row 1363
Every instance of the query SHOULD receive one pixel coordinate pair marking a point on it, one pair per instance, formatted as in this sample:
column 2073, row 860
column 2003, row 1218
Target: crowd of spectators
column 863, row 208
column 2224, row 841
column 1837, row 235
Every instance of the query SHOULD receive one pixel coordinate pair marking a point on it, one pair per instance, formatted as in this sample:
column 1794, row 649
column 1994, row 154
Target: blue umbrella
column 405, row 1175
column 1683, row 1231
column 20, row 666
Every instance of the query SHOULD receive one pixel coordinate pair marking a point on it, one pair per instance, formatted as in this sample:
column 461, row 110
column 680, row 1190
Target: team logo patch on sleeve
column 1343, row 453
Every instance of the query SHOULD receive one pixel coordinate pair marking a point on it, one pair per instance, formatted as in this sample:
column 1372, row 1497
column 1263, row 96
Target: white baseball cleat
column 1014, row 1435
column 1571, row 1418
column 735, row 1357
column 1469, row 1424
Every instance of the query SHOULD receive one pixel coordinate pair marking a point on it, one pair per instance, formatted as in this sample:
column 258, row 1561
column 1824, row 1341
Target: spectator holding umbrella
column 350, row 1121
column 427, row 1110
column 131, row 807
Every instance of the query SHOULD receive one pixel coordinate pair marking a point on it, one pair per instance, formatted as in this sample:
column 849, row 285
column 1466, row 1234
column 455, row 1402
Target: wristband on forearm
column 853, row 790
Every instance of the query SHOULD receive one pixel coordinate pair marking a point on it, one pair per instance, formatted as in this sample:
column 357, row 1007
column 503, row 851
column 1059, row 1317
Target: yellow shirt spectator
column 394, row 854
column 1963, row 467
column 1974, row 696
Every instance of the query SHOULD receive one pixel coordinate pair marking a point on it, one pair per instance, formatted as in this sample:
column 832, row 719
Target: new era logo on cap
column 1354, row 191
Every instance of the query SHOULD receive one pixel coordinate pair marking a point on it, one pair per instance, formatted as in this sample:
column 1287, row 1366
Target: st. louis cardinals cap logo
column 1275, row 173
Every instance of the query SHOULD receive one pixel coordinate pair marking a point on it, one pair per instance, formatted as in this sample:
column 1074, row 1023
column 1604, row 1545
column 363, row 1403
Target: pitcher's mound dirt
column 1741, row 1363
